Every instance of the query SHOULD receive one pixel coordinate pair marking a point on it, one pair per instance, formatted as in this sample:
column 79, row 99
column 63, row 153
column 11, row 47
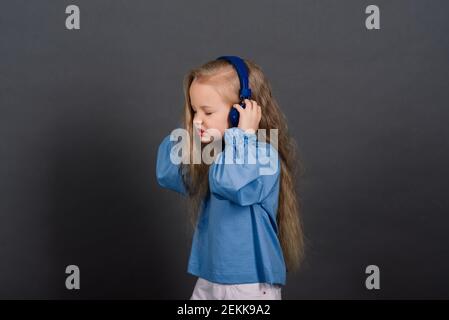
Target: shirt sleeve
column 246, row 171
column 168, row 174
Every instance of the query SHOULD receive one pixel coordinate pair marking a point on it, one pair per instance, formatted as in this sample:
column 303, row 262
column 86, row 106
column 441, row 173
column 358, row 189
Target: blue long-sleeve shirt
column 235, row 239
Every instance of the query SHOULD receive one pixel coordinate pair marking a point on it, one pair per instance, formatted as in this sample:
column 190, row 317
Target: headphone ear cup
column 234, row 115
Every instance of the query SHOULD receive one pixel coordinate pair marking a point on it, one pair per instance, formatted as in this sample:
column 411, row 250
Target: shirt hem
column 237, row 278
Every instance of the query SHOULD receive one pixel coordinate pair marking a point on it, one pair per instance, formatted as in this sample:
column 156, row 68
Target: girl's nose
column 197, row 121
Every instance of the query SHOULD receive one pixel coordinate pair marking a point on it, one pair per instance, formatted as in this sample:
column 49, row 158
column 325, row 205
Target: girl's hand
column 249, row 117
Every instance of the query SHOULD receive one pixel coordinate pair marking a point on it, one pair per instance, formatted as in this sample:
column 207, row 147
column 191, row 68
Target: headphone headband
column 242, row 71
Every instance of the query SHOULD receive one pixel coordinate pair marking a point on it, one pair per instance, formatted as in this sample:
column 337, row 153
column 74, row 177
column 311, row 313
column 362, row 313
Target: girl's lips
column 201, row 132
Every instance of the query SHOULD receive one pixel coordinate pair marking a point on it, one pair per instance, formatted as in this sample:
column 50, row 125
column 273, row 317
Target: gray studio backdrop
column 83, row 112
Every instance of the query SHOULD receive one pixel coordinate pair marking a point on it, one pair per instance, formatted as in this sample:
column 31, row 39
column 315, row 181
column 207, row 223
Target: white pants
column 206, row 290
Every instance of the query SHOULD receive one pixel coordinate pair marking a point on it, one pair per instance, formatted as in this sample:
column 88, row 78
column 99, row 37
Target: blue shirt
column 235, row 239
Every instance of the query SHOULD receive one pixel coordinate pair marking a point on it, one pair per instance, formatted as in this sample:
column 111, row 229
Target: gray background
column 83, row 112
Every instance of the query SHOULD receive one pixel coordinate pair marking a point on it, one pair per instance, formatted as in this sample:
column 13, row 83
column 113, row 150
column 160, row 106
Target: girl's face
column 210, row 111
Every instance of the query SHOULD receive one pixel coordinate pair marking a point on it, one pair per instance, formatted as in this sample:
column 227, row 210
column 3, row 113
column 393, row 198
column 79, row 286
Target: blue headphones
column 245, row 91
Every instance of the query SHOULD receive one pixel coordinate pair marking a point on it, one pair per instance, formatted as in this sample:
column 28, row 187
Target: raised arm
column 235, row 177
column 167, row 173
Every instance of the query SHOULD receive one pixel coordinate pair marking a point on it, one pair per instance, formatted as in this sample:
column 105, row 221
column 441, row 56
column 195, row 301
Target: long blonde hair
column 225, row 79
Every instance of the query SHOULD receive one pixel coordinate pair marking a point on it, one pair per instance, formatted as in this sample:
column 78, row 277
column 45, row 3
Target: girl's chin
column 207, row 139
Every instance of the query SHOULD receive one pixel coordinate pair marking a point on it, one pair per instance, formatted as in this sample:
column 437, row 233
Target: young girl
column 247, row 228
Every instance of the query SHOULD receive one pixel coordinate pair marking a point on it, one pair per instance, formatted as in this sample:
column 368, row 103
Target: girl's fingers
column 248, row 104
column 239, row 108
column 251, row 104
